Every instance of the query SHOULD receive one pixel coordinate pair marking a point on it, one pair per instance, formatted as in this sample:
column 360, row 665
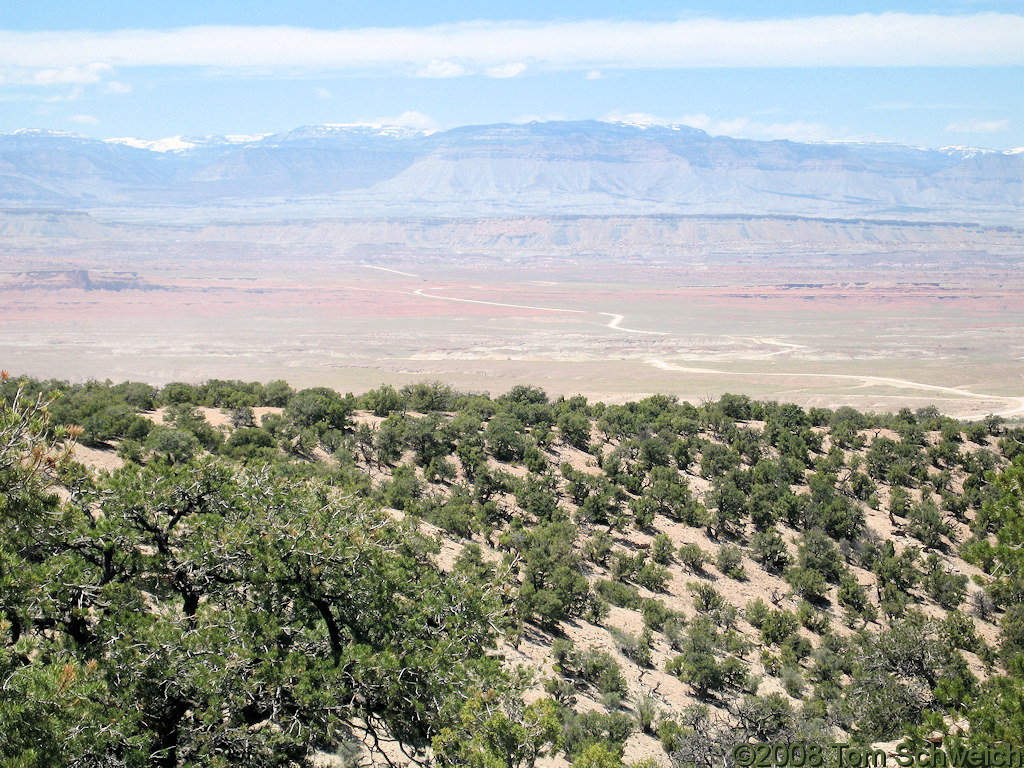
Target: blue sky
column 928, row 74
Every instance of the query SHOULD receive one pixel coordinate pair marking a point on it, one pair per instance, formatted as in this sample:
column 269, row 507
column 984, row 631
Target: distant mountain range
column 552, row 168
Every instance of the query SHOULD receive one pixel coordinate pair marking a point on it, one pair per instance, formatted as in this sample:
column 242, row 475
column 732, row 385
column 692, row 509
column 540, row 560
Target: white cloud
column 58, row 78
column 322, row 93
column 595, row 74
column 536, row 118
column 442, row 69
column 410, row 119
column 641, row 118
column 752, row 129
column 84, row 120
column 506, row 70
column 73, row 95
column 868, row 40
column 77, row 75
column 736, row 127
column 90, row 74
column 915, row 106
column 977, row 125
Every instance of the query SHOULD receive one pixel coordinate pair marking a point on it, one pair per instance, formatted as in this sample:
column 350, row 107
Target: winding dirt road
column 1016, row 403
column 616, row 319
column 420, row 292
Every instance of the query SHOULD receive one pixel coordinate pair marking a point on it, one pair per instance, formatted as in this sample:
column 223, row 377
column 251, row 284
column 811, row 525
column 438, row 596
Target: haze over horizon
column 923, row 74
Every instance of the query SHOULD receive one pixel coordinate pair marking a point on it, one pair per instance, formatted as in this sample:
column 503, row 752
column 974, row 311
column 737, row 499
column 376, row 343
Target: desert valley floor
column 870, row 325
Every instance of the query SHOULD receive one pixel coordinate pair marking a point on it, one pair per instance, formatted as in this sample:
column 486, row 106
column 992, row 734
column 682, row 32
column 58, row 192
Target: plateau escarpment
column 539, row 168
column 613, row 259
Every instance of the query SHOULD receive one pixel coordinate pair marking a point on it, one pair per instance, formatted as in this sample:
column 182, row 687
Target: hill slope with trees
column 240, row 573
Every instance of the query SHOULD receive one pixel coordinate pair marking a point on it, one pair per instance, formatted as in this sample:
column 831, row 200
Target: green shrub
column 625, row 566
column 730, row 562
column 646, row 713
column 771, row 551
column 653, row 577
column 926, row 524
column 176, row 445
column 662, row 549
column 808, row 583
column 793, row 682
column 598, row 548
column 674, row 630
column 811, row 618
column 947, row 589
column 636, row 648
column 600, row 669
column 777, row 626
column 655, row 613
column 757, row 612
column 693, row 557
column 617, row 593
column 594, row 734
column 706, row 599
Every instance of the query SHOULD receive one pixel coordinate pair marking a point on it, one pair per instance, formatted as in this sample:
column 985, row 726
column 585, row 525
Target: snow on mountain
column 172, row 144
column 348, row 130
column 538, row 168
column 966, row 153
column 44, row 132
column 245, row 139
column 186, row 144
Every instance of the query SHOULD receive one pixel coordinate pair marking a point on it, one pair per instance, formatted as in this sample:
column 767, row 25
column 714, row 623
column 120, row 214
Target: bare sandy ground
column 817, row 330
column 668, row 692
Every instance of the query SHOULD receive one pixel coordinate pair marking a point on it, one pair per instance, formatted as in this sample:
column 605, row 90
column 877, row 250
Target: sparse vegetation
column 342, row 570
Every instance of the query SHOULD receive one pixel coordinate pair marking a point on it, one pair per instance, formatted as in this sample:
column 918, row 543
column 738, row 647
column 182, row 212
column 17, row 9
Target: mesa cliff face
column 540, row 168
column 520, row 237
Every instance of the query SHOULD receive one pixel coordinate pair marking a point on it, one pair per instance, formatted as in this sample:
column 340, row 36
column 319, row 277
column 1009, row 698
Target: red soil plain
column 877, row 330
